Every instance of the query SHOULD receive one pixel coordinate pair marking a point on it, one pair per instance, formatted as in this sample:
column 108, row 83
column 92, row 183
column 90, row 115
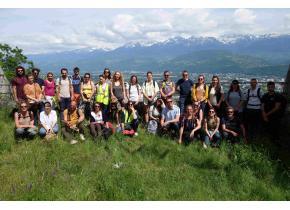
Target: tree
column 10, row 58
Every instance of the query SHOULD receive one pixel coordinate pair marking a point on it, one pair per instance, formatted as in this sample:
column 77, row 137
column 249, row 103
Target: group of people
column 204, row 112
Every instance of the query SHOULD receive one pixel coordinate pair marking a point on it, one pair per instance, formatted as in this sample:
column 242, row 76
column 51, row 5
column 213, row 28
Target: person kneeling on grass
column 129, row 120
column 96, row 121
column 188, row 126
column 170, row 118
column 24, row 122
column 211, row 128
column 48, row 121
column 73, row 119
column 232, row 127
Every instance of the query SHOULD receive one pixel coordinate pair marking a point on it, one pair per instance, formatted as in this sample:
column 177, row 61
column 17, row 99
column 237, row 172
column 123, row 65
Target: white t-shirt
column 133, row 94
column 254, row 100
column 213, row 97
column 48, row 120
column 98, row 117
column 64, row 89
column 150, row 90
column 170, row 114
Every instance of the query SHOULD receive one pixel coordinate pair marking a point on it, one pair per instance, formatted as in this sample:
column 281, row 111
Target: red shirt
column 19, row 82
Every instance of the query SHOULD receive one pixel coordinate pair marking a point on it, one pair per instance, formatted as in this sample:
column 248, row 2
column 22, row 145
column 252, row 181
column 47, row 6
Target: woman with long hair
column 200, row 92
column 87, row 92
column 189, row 126
column 216, row 95
column 211, row 128
column 134, row 90
column 118, row 88
column 49, row 88
column 107, row 76
column 96, row 121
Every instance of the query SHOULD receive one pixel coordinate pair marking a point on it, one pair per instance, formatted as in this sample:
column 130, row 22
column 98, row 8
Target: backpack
column 152, row 126
column 152, row 81
column 258, row 93
column 137, row 88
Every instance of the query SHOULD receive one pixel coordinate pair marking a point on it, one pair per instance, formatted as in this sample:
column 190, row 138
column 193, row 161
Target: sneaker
column 73, row 141
column 204, row 146
column 136, row 134
column 82, row 137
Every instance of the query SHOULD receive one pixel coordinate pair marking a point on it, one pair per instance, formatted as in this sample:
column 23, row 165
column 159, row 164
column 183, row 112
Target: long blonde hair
column 121, row 77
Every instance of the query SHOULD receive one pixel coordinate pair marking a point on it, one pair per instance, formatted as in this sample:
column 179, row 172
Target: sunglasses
column 23, row 106
column 200, row 78
column 230, row 112
column 211, row 111
column 166, row 75
column 130, row 104
column 97, row 106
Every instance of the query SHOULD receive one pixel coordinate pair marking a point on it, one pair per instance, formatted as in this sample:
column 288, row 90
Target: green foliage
column 146, row 167
column 10, row 58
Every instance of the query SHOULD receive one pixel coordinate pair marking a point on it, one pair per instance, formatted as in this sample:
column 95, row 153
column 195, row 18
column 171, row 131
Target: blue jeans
column 64, row 104
column 216, row 139
column 183, row 102
column 42, row 131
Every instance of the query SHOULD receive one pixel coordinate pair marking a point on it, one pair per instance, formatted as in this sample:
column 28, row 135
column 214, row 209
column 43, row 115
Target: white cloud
column 244, row 16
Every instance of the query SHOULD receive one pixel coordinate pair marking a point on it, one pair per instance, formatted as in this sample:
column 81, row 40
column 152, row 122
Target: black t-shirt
column 269, row 101
column 233, row 124
column 185, row 86
column 40, row 82
column 189, row 124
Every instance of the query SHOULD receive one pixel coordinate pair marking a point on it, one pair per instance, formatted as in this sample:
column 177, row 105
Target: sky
column 55, row 30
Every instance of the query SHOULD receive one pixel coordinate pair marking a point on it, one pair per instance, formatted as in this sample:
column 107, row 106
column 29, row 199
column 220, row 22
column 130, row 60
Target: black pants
column 253, row 122
column 172, row 129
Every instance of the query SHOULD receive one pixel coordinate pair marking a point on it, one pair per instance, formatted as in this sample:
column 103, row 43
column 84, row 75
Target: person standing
column 48, row 88
column 216, row 95
column 272, row 112
column 184, row 86
column 200, row 92
column 103, row 94
column 76, row 83
column 235, row 98
column 64, row 91
column 107, row 76
column 118, row 88
column 18, row 83
column 253, row 112
column 87, row 93
column 150, row 90
column 37, row 79
column 133, row 90
column 167, row 88
column 33, row 94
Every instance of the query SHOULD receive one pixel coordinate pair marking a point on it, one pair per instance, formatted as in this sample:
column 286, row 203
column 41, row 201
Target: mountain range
column 252, row 54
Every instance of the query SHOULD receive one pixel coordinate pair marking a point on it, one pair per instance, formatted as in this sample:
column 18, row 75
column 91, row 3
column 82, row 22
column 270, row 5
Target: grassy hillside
column 143, row 168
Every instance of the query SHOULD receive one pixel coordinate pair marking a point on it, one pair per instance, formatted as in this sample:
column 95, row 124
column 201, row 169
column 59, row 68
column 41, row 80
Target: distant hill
column 233, row 53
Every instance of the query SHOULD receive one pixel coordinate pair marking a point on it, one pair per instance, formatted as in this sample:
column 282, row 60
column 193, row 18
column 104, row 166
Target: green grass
column 141, row 168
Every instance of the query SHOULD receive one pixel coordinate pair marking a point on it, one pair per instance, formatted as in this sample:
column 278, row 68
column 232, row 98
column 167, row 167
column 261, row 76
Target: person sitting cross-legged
column 233, row 129
column 73, row 119
column 48, row 121
column 170, row 118
column 24, row 122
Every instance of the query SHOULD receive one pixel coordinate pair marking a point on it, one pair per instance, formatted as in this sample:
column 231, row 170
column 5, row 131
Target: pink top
column 49, row 88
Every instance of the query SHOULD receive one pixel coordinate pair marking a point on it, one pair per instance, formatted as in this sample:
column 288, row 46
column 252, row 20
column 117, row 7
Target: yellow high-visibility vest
column 103, row 97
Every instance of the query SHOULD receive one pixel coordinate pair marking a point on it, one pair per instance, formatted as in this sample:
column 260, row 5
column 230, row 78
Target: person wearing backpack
column 273, row 107
column 24, row 122
column 64, row 91
column 167, row 88
column 87, row 93
column 216, row 96
column 199, row 92
column 235, row 98
column 150, row 90
column 76, row 83
column 133, row 90
column 252, row 112
column 73, row 118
